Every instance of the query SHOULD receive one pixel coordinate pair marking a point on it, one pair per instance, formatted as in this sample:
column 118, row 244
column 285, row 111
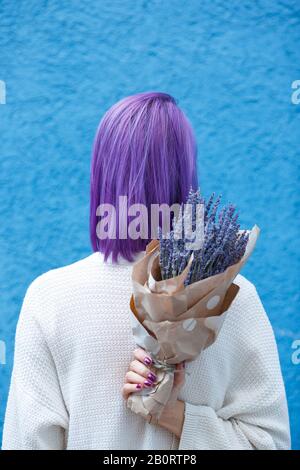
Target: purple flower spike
column 223, row 244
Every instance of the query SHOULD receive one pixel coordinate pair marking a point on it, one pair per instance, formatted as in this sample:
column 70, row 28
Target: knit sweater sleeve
column 254, row 412
column 36, row 417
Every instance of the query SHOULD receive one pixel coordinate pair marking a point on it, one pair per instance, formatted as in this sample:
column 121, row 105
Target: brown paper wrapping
column 174, row 323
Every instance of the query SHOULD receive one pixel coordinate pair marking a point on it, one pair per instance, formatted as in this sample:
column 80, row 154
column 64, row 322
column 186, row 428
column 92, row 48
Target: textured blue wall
column 230, row 64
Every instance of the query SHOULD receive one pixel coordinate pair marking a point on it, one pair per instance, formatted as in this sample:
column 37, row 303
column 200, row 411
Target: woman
column 74, row 356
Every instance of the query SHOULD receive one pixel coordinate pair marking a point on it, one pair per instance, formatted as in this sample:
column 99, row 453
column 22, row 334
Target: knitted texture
column 73, row 347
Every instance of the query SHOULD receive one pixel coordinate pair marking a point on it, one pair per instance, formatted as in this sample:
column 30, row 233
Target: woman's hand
column 141, row 375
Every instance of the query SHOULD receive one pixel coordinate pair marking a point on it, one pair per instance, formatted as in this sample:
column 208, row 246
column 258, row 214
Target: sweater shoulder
column 59, row 293
column 70, row 271
column 244, row 283
column 56, row 289
column 247, row 298
column 247, row 320
column 81, row 273
column 72, row 279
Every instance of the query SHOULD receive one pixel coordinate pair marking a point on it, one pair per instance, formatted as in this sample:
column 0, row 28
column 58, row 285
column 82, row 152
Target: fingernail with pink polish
column 152, row 377
column 148, row 361
column 138, row 386
column 148, row 384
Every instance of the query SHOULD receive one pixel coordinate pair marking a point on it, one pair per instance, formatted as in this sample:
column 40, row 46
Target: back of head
column 144, row 149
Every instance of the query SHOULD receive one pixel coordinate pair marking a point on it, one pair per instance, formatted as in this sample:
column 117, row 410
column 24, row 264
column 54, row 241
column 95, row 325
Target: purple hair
column 144, row 149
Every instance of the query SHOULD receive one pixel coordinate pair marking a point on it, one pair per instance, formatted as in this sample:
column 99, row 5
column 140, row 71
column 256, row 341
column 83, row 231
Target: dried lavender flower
column 223, row 245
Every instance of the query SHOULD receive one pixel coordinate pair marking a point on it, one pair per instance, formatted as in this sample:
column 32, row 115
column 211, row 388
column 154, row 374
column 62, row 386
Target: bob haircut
column 144, row 149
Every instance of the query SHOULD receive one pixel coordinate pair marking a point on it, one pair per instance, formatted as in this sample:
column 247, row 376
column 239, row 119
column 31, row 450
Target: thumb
column 179, row 375
column 179, row 378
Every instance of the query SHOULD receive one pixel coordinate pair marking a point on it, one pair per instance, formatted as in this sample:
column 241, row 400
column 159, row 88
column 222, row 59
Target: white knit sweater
column 74, row 345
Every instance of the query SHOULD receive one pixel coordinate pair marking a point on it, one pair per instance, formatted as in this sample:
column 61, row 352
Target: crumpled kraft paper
column 174, row 323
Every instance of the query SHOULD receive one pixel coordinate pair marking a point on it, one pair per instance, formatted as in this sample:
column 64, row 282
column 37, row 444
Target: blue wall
column 230, row 64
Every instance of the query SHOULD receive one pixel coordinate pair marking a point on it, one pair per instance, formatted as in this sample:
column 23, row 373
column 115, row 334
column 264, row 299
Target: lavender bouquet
column 183, row 288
